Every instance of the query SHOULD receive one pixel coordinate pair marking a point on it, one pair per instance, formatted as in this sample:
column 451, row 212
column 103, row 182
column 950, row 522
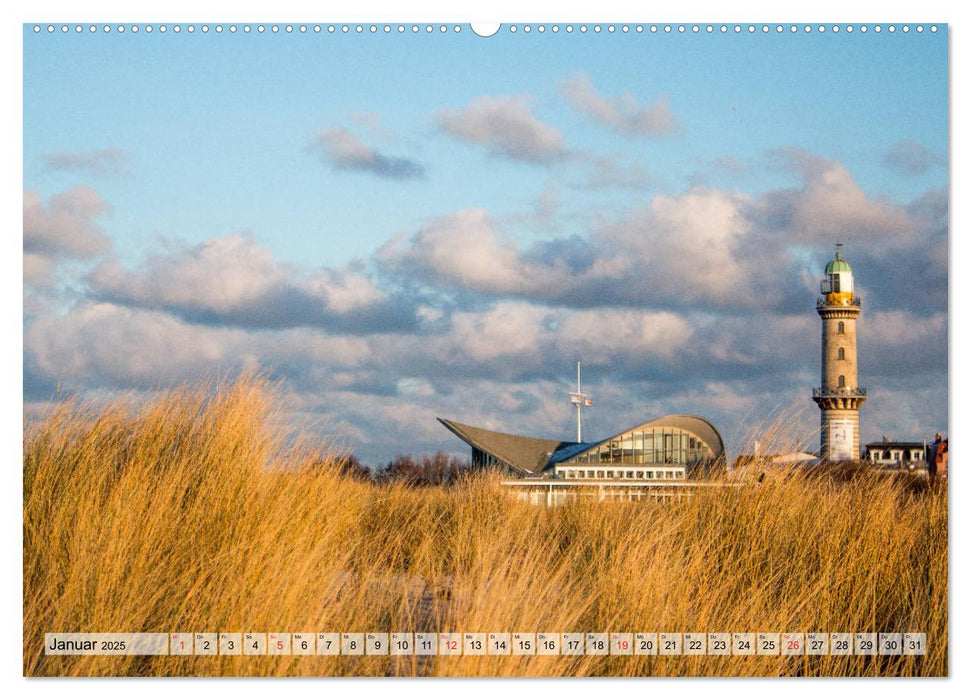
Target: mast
column 579, row 399
column 579, row 434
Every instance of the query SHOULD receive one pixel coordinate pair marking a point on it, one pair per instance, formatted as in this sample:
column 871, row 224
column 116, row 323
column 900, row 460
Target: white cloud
column 504, row 125
column 911, row 158
column 464, row 249
column 106, row 343
column 219, row 274
column 679, row 250
column 624, row 113
column 233, row 280
column 900, row 327
column 38, row 269
column 65, row 226
column 63, row 229
column 610, row 172
column 603, row 336
column 105, row 162
column 831, row 206
column 345, row 151
column 686, row 248
column 503, row 331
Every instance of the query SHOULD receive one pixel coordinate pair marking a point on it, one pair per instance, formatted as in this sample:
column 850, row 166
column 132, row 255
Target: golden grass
column 188, row 514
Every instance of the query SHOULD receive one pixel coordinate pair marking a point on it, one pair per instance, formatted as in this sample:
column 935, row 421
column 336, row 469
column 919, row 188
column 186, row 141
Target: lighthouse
column 839, row 395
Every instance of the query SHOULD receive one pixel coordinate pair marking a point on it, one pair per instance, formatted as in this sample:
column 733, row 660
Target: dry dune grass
column 188, row 513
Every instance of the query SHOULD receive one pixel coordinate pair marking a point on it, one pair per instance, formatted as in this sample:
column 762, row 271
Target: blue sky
column 432, row 192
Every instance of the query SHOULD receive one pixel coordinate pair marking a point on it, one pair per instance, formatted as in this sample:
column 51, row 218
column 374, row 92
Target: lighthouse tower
column 839, row 397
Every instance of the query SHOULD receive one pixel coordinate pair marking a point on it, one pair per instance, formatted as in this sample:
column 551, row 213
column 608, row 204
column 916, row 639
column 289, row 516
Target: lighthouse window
column 841, row 354
column 842, row 381
column 840, row 327
column 834, row 283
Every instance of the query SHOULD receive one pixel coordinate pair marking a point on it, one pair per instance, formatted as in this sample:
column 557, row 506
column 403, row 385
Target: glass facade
column 484, row 460
column 649, row 445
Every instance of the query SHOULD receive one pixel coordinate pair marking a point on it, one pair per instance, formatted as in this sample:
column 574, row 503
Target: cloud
column 506, row 330
column 234, row 281
column 65, row 226
column 506, row 126
column 679, row 250
column 99, row 344
column 105, row 344
column 522, row 341
column 345, row 151
column 622, row 336
column 461, row 250
column 608, row 172
column 729, row 165
column 900, row 337
column 910, row 274
column 830, row 206
column 108, row 162
column 38, row 269
column 685, row 249
column 910, row 158
column 63, row 229
column 623, row 114
column 911, row 413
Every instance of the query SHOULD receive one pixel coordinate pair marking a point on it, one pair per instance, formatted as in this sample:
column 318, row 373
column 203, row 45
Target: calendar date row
column 490, row 644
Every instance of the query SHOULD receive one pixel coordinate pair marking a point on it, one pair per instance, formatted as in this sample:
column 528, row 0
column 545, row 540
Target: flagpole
column 579, row 439
column 579, row 399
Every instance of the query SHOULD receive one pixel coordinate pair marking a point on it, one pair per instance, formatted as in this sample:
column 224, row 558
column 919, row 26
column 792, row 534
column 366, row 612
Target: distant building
column 656, row 459
column 896, row 454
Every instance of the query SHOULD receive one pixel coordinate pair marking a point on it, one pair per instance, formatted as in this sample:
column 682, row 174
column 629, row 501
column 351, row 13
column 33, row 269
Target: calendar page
column 525, row 349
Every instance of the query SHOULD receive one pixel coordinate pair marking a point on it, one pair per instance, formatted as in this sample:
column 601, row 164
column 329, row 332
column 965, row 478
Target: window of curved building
column 649, row 445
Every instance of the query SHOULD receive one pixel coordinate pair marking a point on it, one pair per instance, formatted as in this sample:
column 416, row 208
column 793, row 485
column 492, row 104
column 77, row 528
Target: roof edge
column 453, row 426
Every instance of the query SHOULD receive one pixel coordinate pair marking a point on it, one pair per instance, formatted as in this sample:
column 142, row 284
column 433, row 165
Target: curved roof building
column 684, row 441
